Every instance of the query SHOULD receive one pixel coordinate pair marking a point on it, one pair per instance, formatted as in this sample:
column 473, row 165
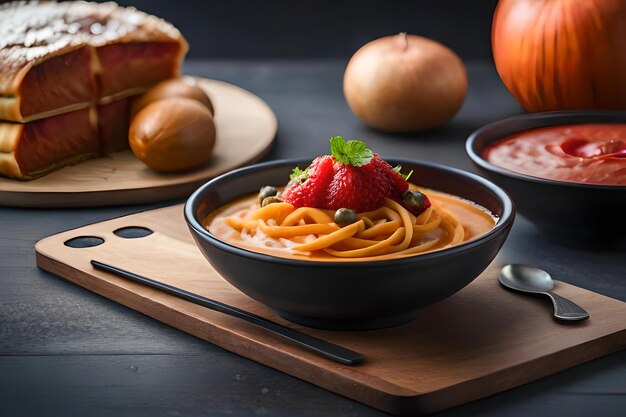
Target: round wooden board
column 246, row 127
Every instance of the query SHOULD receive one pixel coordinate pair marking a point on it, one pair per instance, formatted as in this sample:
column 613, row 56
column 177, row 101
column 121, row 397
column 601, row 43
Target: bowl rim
column 504, row 222
column 477, row 158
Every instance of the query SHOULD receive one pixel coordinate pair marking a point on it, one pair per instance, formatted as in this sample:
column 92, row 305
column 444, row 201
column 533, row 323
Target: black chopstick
column 324, row 348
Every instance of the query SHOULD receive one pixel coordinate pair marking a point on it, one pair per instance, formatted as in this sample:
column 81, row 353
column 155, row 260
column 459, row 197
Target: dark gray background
column 323, row 28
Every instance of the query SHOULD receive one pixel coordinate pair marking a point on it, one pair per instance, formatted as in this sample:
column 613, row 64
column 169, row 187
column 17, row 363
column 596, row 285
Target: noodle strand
column 388, row 229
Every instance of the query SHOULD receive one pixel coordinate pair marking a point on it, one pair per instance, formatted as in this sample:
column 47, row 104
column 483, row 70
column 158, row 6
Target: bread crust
column 49, row 29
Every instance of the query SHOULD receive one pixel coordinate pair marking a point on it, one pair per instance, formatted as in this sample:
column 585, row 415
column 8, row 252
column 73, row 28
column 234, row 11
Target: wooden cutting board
column 480, row 341
column 245, row 125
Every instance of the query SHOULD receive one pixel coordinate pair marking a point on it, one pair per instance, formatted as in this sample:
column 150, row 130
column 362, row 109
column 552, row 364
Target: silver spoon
column 526, row 278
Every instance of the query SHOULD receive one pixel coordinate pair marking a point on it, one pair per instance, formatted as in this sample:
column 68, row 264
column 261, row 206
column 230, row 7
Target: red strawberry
column 344, row 188
column 398, row 183
column 308, row 188
column 362, row 188
column 353, row 177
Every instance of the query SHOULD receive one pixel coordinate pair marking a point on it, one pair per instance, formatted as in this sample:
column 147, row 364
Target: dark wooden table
column 67, row 352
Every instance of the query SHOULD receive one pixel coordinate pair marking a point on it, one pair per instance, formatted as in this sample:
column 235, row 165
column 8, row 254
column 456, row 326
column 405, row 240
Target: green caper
column 344, row 217
column 415, row 202
column 270, row 200
column 267, row 191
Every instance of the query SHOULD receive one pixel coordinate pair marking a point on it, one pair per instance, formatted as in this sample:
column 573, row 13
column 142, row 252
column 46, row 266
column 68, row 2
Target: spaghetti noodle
column 306, row 232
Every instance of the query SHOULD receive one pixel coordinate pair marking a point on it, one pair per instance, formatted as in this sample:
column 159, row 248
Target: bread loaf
column 71, row 62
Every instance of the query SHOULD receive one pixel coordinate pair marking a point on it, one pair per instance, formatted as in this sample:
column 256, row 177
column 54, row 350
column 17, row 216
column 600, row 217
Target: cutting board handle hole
column 133, row 232
column 84, row 242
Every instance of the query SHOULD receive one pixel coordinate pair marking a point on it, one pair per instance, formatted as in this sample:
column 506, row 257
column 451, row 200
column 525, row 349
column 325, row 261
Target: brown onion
column 405, row 83
column 557, row 55
column 173, row 134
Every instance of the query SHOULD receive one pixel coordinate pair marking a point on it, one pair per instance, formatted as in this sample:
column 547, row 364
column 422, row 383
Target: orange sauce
column 475, row 220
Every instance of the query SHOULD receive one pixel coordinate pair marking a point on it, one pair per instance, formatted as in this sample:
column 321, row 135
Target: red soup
column 582, row 153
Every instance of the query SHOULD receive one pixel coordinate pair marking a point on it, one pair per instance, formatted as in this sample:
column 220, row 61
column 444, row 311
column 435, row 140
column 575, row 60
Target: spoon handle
column 565, row 309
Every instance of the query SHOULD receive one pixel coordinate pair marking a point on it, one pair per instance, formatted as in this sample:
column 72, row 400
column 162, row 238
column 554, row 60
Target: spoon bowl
column 529, row 279
column 526, row 278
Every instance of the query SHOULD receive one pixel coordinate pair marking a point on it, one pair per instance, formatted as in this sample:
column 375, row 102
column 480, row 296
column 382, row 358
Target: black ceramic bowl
column 577, row 215
column 349, row 295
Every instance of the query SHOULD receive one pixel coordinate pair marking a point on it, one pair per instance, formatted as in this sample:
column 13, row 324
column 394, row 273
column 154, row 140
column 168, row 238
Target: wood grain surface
column 246, row 128
column 478, row 342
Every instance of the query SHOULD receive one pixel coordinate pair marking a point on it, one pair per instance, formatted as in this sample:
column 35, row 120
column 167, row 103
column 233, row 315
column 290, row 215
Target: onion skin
column 173, row 134
column 405, row 83
column 562, row 54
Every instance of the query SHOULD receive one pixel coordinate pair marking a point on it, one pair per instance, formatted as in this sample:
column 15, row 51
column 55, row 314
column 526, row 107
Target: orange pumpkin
column 562, row 54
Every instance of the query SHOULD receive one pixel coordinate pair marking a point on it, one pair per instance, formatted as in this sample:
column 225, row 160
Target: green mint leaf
column 398, row 168
column 298, row 174
column 352, row 152
column 337, row 145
